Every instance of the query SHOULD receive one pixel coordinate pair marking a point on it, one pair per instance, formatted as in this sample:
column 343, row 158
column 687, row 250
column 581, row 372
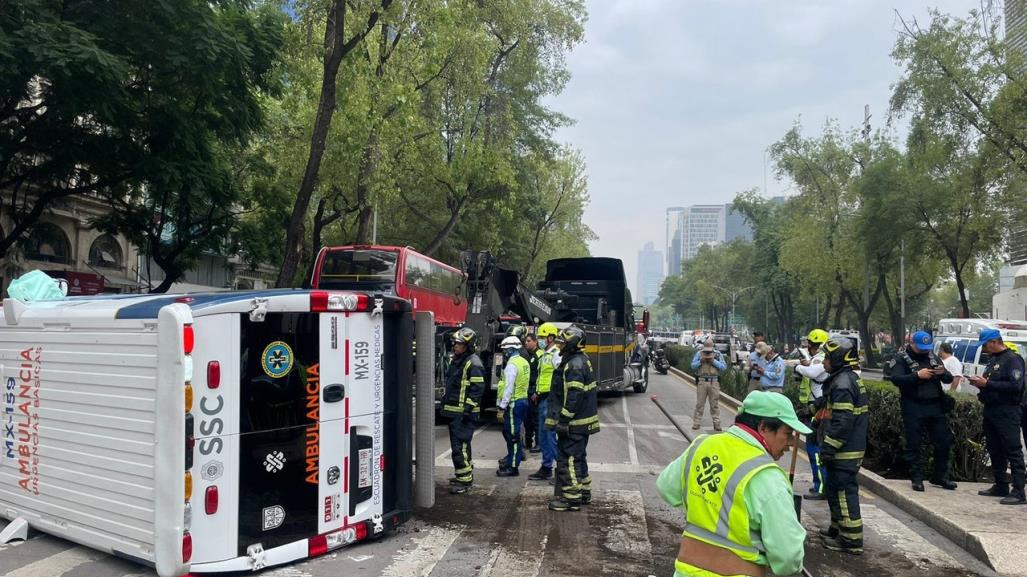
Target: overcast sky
column 676, row 100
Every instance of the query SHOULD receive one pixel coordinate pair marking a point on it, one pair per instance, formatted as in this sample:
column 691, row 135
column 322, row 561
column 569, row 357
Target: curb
column 876, row 483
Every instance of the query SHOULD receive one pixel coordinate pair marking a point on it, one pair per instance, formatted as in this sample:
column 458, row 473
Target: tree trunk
column 840, row 311
column 824, row 315
column 336, row 48
column 964, row 303
column 368, row 166
column 440, row 238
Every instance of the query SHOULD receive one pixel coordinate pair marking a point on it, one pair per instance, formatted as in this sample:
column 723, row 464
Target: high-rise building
column 673, row 240
column 703, row 224
column 650, row 274
column 1015, row 18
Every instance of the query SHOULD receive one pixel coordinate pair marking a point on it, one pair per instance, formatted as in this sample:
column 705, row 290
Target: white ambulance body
column 207, row 432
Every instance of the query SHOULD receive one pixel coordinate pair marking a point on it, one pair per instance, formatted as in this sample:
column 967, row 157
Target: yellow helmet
column 818, row 336
column 547, row 330
column 1012, row 347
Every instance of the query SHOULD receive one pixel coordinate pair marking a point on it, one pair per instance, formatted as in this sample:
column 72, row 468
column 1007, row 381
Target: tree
column 127, row 100
column 967, row 97
column 336, row 47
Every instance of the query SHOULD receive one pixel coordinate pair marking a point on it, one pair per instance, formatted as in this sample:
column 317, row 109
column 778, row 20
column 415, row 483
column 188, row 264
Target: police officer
column 749, row 523
column 1001, row 391
column 465, row 384
column 547, row 365
column 708, row 366
column 811, row 388
column 843, row 445
column 573, row 414
column 919, row 375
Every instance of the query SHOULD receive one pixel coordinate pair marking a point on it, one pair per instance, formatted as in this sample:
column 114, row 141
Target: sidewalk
column 995, row 534
column 991, row 532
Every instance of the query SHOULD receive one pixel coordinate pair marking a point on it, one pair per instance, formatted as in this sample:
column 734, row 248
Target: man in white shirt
column 952, row 365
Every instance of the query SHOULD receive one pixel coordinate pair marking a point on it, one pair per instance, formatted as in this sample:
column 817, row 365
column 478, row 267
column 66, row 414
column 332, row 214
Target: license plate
column 365, row 468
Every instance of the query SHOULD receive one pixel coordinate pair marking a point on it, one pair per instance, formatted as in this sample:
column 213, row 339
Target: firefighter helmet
column 572, row 338
column 464, row 336
column 841, row 353
column 547, row 330
column 818, row 336
column 519, row 331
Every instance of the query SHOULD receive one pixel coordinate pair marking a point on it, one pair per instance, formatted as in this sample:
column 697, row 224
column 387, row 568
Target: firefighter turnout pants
column 461, row 430
column 1002, row 435
column 708, row 392
column 843, row 499
column 572, row 480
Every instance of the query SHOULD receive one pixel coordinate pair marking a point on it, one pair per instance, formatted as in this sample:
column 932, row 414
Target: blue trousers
column 819, row 470
column 513, row 418
column 546, row 438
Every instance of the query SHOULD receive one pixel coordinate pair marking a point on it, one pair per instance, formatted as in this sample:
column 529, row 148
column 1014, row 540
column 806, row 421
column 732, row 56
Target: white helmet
column 510, row 343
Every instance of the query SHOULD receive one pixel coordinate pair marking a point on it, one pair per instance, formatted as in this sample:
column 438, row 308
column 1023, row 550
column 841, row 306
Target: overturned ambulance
column 207, row 432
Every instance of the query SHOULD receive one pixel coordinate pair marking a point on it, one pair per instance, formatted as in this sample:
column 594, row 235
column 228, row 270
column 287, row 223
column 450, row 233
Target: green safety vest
column 545, row 372
column 806, row 387
column 716, row 472
column 523, row 379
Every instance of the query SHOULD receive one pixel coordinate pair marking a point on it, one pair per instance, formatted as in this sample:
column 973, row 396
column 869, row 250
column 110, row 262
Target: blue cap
column 922, row 341
column 988, row 335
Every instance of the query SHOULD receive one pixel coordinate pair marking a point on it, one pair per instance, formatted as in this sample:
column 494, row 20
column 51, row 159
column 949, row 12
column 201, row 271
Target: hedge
column 885, row 438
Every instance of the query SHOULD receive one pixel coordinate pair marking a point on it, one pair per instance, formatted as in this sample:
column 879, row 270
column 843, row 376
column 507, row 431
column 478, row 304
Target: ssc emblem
column 277, row 360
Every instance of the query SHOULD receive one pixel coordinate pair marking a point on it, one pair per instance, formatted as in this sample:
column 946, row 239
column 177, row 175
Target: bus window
column 373, row 269
column 417, row 271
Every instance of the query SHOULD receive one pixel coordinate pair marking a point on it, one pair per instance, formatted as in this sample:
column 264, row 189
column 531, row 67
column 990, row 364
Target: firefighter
column 739, row 510
column 513, row 404
column 547, row 365
column 465, row 384
column 843, row 445
column 1001, row 390
column 573, row 414
column 811, row 388
column 919, row 374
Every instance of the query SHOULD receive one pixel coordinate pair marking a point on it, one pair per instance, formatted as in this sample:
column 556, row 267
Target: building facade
column 650, row 274
column 691, row 227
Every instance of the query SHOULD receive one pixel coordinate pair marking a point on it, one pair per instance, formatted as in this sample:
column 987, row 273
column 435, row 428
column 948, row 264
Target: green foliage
column 144, row 103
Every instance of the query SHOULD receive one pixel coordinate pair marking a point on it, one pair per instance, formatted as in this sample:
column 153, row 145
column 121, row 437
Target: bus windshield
column 365, row 269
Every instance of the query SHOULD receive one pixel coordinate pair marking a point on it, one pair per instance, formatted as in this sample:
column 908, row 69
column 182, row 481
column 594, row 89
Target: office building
column 650, row 274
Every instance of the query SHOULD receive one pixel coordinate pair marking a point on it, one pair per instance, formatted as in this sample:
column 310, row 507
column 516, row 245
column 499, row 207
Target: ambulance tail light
column 323, row 301
column 188, row 486
column 213, row 375
column 360, row 531
column 188, row 339
column 317, row 545
column 187, row 547
column 210, row 500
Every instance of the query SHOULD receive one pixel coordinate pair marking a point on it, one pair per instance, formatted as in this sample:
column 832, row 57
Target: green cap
column 773, row 405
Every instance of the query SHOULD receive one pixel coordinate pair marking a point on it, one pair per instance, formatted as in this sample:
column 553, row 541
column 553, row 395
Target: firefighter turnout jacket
column 465, row 384
column 845, row 432
column 572, row 397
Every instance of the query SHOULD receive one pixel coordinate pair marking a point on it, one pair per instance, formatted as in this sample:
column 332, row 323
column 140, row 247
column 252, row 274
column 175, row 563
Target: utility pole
column 866, row 264
column 902, row 285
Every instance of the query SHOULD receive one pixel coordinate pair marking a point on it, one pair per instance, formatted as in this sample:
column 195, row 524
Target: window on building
column 47, row 242
column 105, row 252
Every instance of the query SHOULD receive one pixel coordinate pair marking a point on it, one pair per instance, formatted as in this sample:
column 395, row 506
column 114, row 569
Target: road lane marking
column 592, row 468
column 626, row 532
column 58, row 564
column 444, row 456
column 632, row 450
column 637, row 426
column 422, row 559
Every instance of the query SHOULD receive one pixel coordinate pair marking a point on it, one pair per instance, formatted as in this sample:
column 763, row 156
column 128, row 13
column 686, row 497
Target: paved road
column 503, row 528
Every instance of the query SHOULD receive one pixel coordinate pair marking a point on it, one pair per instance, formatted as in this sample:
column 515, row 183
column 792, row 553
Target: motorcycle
column 660, row 362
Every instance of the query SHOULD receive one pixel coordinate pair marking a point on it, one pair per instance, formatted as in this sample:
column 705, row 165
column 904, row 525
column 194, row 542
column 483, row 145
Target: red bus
column 428, row 284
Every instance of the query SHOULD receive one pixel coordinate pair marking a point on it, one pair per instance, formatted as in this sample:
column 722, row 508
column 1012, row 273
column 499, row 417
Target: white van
column 963, row 334
column 207, row 432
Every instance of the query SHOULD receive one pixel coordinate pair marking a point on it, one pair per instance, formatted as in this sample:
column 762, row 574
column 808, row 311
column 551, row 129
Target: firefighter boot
column 561, row 504
column 543, row 474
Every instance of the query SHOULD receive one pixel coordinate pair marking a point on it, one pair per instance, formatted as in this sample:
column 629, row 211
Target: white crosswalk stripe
column 58, row 564
column 419, row 561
